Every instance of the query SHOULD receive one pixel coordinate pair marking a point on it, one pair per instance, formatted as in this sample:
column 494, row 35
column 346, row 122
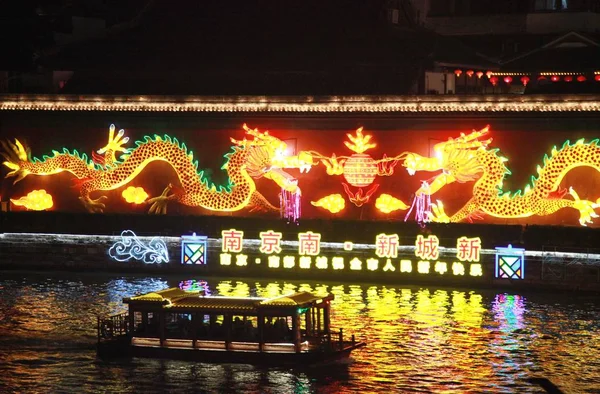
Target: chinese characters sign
column 386, row 249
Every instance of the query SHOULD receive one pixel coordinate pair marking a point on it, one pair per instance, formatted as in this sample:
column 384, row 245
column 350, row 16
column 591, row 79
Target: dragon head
column 457, row 159
column 17, row 159
column 267, row 157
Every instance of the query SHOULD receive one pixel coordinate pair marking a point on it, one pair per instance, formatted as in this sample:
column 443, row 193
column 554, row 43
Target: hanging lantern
column 479, row 74
column 568, row 78
column 470, row 73
column 489, row 74
column 508, row 79
column 494, row 80
column 525, row 80
column 581, row 78
column 542, row 78
column 597, row 77
column 290, row 205
column 555, row 78
column 457, row 72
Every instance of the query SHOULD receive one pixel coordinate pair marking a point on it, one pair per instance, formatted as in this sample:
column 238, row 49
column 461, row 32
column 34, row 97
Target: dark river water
column 419, row 340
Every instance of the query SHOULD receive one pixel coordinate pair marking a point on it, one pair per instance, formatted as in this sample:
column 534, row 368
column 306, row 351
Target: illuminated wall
column 519, row 171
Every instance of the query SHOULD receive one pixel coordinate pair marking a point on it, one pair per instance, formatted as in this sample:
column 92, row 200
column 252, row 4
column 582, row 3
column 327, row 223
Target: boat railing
column 335, row 339
column 114, row 326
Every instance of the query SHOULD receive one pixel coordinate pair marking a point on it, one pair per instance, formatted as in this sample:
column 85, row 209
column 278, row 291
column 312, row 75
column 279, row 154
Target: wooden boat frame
column 174, row 323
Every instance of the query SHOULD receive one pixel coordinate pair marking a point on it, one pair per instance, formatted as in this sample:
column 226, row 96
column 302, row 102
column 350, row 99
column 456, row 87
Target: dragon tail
column 560, row 162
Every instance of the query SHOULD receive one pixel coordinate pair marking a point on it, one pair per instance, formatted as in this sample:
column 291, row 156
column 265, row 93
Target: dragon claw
column 586, row 208
column 438, row 215
column 159, row 204
column 93, row 206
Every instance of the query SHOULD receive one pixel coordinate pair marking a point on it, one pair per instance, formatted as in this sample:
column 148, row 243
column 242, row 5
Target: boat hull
column 224, row 356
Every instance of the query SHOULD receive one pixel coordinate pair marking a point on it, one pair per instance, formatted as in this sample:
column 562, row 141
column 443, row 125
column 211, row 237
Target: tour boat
column 173, row 323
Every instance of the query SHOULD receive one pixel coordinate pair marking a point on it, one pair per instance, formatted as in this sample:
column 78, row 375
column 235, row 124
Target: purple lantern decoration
column 290, row 205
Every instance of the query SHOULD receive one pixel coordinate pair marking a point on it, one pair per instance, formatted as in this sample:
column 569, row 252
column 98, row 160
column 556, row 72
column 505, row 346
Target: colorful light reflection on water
column 419, row 339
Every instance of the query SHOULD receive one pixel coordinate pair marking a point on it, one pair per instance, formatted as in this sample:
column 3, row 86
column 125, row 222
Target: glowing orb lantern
column 360, row 169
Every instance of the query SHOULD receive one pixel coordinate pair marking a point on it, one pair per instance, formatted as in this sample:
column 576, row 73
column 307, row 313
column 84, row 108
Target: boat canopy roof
column 180, row 300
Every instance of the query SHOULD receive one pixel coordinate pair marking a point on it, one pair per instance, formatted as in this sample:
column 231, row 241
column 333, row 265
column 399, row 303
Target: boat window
column 244, row 328
column 278, row 329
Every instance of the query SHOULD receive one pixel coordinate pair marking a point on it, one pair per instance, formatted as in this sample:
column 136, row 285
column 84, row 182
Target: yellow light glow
column 339, row 104
column 321, row 262
column 305, row 262
column 468, row 249
column 372, row 264
column 241, row 260
column 387, row 204
column 360, row 142
column 476, row 270
column 458, row 268
column 36, row 200
column 405, row 266
column 289, row 261
column 356, row 264
column 334, row 203
column 232, row 240
column 337, row 263
column 441, row 267
column 134, row 195
column 389, row 266
column 348, row 245
column 273, row 261
column 225, row 259
column 423, row 267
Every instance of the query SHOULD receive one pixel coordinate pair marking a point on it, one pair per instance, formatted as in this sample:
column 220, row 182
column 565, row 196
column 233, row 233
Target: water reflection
column 419, row 339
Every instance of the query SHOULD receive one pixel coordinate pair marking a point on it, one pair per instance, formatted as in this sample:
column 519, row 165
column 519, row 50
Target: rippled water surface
column 419, row 340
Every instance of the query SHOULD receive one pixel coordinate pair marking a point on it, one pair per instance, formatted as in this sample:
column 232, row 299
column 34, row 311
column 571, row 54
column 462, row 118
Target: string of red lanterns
column 525, row 79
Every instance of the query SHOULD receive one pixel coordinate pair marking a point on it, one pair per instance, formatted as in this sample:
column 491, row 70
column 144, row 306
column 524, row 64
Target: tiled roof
column 180, row 299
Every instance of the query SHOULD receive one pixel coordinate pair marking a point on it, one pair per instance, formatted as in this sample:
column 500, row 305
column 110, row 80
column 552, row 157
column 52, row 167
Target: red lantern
column 568, row 78
column 508, row 80
column 542, row 78
column 470, row 73
column 597, row 77
column 555, row 78
column 525, row 80
column 581, row 78
column 457, row 72
column 494, row 80
column 360, row 170
column 479, row 74
column 489, row 74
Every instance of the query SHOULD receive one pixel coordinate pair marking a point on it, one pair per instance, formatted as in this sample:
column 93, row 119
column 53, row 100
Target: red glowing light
column 525, row 80
column 597, row 77
column 542, row 78
column 508, row 79
column 489, row 74
column 581, row 78
column 494, row 80
column 457, row 72
column 555, row 78
column 568, row 78
column 470, row 73
column 479, row 74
